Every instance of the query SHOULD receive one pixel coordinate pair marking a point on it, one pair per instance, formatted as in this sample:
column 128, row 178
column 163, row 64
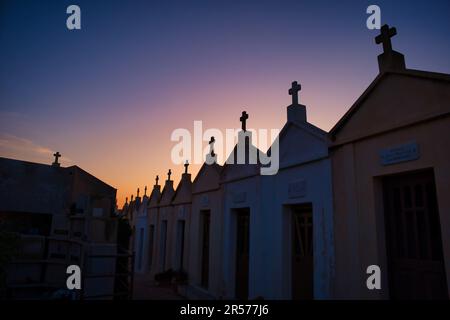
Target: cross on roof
column 56, row 155
column 211, row 146
column 385, row 36
column 157, row 179
column 243, row 119
column 145, row 191
column 168, row 174
column 186, row 165
column 293, row 91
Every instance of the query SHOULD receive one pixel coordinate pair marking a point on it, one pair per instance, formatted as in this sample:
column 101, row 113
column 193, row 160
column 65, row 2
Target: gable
column 300, row 143
column 394, row 100
column 183, row 193
column 154, row 198
column 144, row 203
column 167, row 196
column 233, row 171
column 207, row 178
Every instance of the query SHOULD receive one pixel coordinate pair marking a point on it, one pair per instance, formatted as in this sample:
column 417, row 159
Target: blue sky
column 108, row 96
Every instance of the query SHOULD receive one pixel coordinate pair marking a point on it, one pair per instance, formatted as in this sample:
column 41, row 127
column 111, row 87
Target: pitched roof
column 407, row 72
column 167, row 194
column 183, row 193
column 250, row 173
column 217, row 168
column 155, row 197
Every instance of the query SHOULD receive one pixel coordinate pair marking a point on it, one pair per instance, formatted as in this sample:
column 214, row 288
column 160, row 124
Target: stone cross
column 56, row 155
column 385, row 36
column 211, row 146
column 168, row 174
column 243, row 119
column 186, row 165
column 293, row 91
column 157, row 179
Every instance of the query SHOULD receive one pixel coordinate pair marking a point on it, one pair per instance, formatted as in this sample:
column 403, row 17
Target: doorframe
column 381, row 243
column 287, row 216
column 151, row 246
column 233, row 249
column 380, row 216
column 162, row 252
column 180, row 245
column 286, row 239
column 140, row 250
column 202, row 214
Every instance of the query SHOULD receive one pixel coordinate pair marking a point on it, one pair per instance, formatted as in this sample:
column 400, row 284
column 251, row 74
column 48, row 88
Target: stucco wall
column 359, row 217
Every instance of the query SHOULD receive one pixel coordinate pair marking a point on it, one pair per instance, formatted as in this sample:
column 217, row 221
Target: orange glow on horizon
column 139, row 148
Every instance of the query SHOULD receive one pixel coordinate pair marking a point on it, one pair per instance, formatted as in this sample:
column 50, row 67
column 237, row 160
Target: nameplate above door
column 205, row 201
column 297, row 189
column 401, row 153
column 239, row 197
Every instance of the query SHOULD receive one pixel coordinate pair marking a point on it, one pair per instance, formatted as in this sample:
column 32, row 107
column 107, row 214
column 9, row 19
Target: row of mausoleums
column 375, row 190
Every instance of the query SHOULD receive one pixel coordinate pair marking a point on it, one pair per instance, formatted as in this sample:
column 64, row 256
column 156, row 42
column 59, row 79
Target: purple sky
column 109, row 95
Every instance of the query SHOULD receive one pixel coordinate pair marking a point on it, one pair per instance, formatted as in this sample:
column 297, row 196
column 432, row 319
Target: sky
column 108, row 96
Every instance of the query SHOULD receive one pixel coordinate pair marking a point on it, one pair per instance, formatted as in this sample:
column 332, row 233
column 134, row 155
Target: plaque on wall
column 297, row 189
column 239, row 197
column 205, row 201
column 401, row 153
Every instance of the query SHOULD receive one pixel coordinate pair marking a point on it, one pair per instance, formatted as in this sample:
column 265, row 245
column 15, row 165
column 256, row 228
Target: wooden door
column 151, row 236
column 140, row 248
column 302, row 253
column 242, row 253
column 163, row 245
column 413, row 237
column 179, row 250
column 205, row 216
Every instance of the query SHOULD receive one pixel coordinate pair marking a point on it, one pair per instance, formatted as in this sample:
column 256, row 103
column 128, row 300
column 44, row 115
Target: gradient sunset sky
column 108, row 96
